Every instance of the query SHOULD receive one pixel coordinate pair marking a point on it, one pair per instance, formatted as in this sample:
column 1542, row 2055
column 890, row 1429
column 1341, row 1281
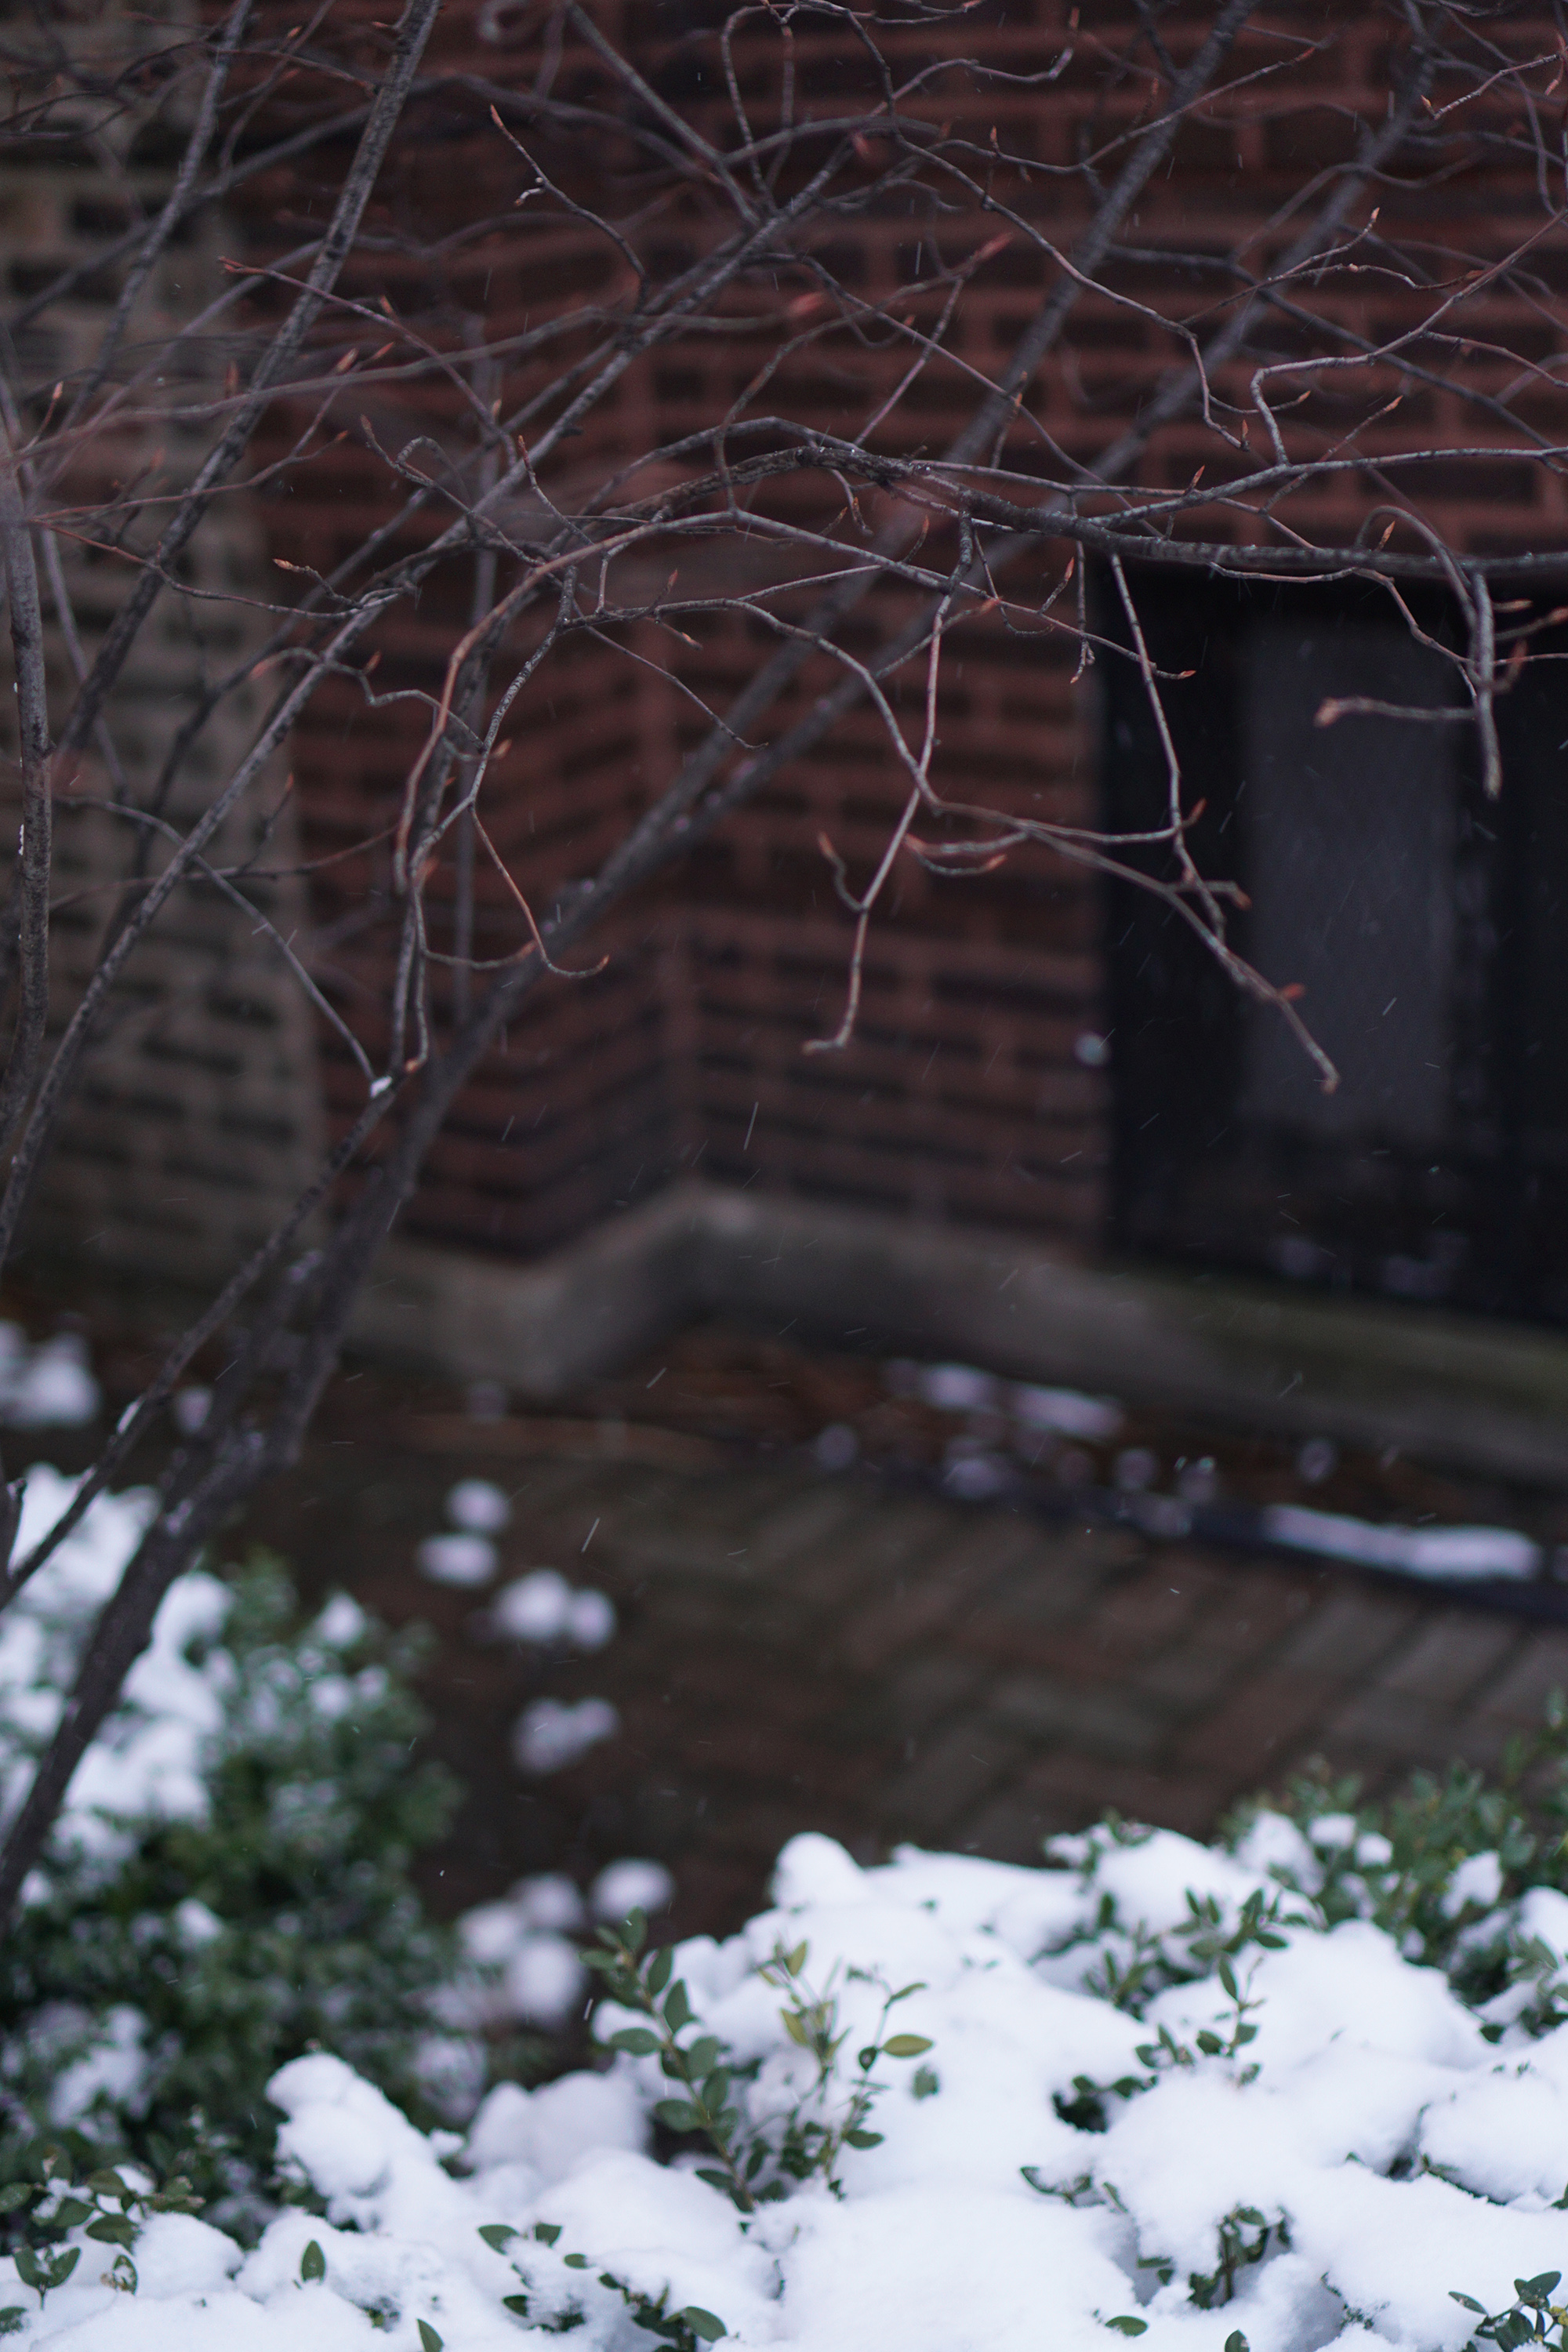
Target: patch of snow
column 836, row 1446
column 149, row 1759
column 479, row 1508
column 50, row 1385
column 630, row 1886
column 978, row 1476
column 553, row 1733
column 1437, row 1552
column 542, row 1608
column 958, row 1388
column 460, row 1559
column 190, row 1407
column 1066, row 1411
column 545, row 1981
column 591, row 1620
column 1478, row 1880
column 536, row 1608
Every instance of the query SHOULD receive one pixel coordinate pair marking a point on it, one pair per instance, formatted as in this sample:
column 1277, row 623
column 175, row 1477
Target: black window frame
column 1483, row 1225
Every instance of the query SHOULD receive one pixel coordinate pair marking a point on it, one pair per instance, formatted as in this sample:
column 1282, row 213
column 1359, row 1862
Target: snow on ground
column 1328, row 2178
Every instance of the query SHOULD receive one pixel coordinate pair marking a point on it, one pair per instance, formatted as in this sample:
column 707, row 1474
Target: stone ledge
column 1476, row 1395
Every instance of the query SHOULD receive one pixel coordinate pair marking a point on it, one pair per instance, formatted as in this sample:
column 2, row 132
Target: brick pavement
column 801, row 1651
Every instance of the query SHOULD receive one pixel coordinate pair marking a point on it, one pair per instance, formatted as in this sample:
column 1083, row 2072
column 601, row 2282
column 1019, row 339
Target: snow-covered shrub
column 230, row 1883
column 1467, row 1874
column 944, row 2106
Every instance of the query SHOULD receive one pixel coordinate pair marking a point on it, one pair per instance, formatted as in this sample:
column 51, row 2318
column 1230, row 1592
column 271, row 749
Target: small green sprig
column 752, row 2167
column 640, row 1979
column 811, row 2145
column 688, row 2329
column 1244, row 2238
column 110, row 2210
column 1530, row 2318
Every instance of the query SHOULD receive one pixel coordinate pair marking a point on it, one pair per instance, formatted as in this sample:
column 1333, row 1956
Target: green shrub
column 1401, row 1862
column 143, row 2005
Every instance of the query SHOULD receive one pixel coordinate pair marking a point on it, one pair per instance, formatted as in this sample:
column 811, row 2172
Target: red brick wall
column 963, row 1094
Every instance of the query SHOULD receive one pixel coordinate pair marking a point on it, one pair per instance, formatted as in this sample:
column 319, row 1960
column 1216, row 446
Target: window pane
column 1349, row 833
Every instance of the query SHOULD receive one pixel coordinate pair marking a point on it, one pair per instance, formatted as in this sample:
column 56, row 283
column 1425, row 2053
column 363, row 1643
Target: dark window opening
column 1423, row 925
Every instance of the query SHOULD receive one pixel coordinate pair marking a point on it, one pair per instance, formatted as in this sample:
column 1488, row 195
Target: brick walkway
column 799, row 1652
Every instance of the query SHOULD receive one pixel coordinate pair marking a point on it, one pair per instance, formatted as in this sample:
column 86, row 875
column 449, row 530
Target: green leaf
column 1227, row 1976
column 517, row 2303
column 1467, row 2300
column 795, row 1962
column 428, row 2339
column 659, row 1968
column 29, row 2269
column 108, row 2183
column 716, row 2090
column 1237, row 2342
column 702, row 2323
column 312, row 2262
column 113, row 2229
column 927, row 2082
column 793, row 2025
column 14, row 2193
column 678, row 2114
column 547, row 2232
column 1541, row 2286
column 498, row 2234
column 636, row 1930
column 676, row 2007
column 11, row 2318
column 1209, row 2043
column 1031, row 2173
column 906, row 2045
column 637, row 2040
column 575, row 2261
column 1127, row 2326
column 863, row 2139
column 62, row 2265
column 71, row 2213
